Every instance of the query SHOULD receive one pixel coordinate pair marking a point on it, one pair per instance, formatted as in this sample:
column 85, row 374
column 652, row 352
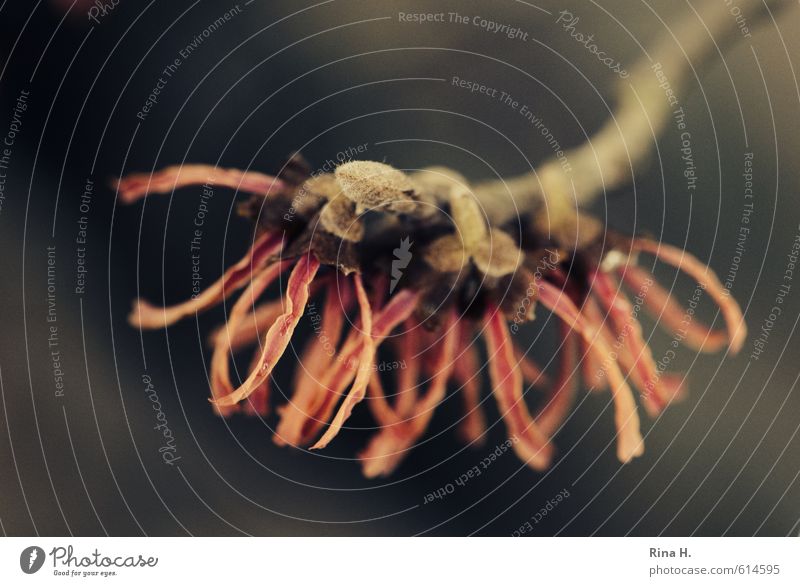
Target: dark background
column 282, row 76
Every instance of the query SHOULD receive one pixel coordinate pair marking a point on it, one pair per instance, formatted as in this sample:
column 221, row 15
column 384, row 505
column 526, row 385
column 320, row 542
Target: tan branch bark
column 606, row 161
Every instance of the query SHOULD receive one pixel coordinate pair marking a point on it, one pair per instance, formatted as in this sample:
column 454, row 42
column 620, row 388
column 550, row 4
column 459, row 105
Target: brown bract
column 374, row 185
column 339, row 217
column 497, row 256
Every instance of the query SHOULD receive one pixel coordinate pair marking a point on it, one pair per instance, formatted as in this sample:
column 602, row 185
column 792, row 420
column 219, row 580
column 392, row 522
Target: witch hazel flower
column 467, row 278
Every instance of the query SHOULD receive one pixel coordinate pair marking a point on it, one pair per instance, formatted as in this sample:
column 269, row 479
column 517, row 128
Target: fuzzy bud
column 438, row 182
column 498, row 255
column 468, row 218
column 446, row 254
column 376, row 185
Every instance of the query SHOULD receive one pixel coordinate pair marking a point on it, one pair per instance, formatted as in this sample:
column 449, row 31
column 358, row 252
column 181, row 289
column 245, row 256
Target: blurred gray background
column 280, row 76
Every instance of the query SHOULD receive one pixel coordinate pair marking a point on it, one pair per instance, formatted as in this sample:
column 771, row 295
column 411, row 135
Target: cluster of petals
column 600, row 337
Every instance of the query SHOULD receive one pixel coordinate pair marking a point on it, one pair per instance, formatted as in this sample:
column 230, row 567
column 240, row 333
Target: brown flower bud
column 468, row 218
column 376, row 185
column 446, row 254
column 577, row 231
column 498, row 255
column 437, row 183
column 322, row 186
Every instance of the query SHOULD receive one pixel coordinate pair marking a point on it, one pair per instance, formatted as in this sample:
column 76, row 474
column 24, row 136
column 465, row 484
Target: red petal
column 557, row 405
column 672, row 388
column 669, row 314
column 705, row 277
column 408, row 350
column 399, row 308
column 442, row 370
column 252, row 326
column 365, row 363
column 531, row 373
column 384, row 451
column 220, row 366
column 407, row 380
column 387, row 448
column 532, row 446
column 661, row 389
column 466, row 372
column 256, row 323
column 638, row 357
column 138, row 185
column 278, row 336
column 592, row 353
column 629, row 440
column 378, row 405
column 316, row 360
column 148, row 316
column 591, row 368
column 258, row 402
